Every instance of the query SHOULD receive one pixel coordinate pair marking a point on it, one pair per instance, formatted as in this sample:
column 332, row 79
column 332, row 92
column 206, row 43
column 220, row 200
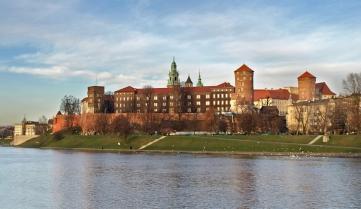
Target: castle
column 178, row 97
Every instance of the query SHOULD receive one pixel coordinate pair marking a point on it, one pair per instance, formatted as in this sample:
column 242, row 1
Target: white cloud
column 119, row 52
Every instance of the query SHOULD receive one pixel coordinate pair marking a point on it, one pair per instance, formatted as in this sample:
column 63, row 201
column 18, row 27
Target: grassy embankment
column 219, row 143
column 5, row 142
column 89, row 142
column 260, row 143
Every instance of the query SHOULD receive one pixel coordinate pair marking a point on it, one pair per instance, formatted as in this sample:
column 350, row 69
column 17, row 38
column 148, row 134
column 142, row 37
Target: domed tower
column 243, row 94
column 173, row 79
column 306, row 86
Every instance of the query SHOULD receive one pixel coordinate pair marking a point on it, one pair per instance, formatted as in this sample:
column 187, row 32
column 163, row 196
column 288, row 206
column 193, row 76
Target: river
column 34, row 178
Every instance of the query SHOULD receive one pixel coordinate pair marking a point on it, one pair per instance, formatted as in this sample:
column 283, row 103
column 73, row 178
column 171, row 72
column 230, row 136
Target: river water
column 34, row 178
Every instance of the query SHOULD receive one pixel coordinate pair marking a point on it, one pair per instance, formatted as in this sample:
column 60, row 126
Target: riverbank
column 256, row 145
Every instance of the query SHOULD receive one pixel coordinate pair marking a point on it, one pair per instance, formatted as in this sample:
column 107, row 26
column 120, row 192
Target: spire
column 173, row 75
column 199, row 83
column 188, row 82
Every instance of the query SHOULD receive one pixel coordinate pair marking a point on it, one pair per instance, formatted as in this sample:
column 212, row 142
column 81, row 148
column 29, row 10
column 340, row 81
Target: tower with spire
column 173, row 79
column 188, row 82
column 199, row 83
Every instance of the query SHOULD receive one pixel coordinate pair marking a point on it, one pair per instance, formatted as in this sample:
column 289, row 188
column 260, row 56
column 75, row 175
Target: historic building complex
column 184, row 97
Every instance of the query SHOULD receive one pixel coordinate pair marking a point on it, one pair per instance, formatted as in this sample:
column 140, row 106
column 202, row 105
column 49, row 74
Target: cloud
column 137, row 49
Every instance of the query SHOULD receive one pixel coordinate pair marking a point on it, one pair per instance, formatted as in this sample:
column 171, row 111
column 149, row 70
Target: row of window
column 155, row 98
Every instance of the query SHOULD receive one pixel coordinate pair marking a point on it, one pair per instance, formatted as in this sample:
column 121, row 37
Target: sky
column 51, row 48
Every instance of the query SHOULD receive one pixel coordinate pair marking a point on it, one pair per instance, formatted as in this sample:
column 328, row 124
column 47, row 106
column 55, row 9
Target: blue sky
column 52, row 48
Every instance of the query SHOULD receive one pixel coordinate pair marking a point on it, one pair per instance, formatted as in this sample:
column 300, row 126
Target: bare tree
column 70, row 105
column 121, row 126
column 352, row 84
column 101, row 124
column 303, row 114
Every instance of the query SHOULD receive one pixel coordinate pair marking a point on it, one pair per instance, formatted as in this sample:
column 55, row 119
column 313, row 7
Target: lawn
column 93, row 142
column 211, row 143
column 298, row 139
column 343, row 140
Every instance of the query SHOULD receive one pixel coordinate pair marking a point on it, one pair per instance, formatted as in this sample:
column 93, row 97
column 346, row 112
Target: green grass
column 300, row 139
column 5, row 142
column 343, row 140
column 219, row 143
column 91, row 142
column 229, row 144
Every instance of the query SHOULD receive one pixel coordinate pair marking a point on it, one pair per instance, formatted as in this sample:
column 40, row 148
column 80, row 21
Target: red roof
column 198, row 89
column 244, row 68
column 127, row 89
column 306, row 75
column 156, row 90
column 271, row 93
column 324, row 89
column 225, row 85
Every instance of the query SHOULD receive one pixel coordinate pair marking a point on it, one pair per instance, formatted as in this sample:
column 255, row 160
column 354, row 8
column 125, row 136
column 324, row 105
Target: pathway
column 315, row 139
column 152, row 142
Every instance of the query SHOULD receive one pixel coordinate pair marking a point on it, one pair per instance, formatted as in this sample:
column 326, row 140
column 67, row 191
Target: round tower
column 306, row 86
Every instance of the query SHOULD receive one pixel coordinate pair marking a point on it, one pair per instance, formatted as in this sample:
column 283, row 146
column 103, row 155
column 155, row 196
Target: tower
column 199, row 83
column 188, row 82
column 173, row 74
column 243, row 94
column 306, row 86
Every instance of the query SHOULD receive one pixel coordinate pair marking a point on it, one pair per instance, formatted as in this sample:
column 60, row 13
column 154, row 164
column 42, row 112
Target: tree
column 352, row 84
column 43, row 120
column 147, row 98
column 70, row 105
column 101, row 124
column 108, row 106
column 121, row 127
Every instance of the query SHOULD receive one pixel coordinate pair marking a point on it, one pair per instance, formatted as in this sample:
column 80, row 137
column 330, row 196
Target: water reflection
column 31, row 178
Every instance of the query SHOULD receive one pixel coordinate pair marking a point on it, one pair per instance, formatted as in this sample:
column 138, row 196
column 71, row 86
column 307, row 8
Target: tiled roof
column 126, row 89
column 156, row 90
column 224, row 85
column 244, row 68
column 306, row 75
column 324, row 89
column 271, row 93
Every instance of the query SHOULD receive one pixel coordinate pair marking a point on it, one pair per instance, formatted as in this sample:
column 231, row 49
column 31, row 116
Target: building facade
column 179, row 97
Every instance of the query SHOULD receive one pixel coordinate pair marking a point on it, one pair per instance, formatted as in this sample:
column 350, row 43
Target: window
column 198, row 103
column 189, row 97
column 208, row 96
column 155, row 110
column 198, row 109
column 198, row 96
column 207, row 103
column 155, row 97
column 189, row 110
column 164, row 104
column 171, row 104
column 164, row 97
column 171, row 97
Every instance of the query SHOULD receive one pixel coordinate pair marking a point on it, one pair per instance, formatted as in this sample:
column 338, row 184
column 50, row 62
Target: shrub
column 58, row 136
